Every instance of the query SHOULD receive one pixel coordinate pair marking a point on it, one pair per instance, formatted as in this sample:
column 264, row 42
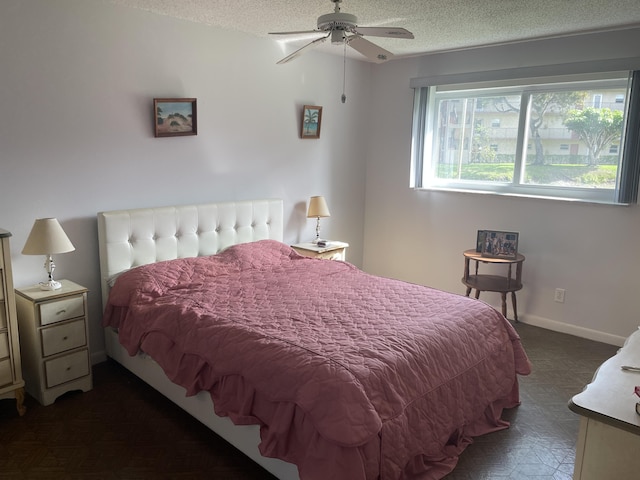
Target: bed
column 312, row 368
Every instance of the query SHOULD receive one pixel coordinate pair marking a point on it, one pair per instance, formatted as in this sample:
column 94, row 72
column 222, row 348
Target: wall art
column 311, row 121
column 175, row 117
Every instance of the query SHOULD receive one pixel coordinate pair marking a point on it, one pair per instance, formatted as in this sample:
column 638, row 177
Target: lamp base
column 50, row 285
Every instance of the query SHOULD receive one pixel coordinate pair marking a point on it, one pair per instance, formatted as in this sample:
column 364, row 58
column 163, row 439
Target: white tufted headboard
column 129, row 238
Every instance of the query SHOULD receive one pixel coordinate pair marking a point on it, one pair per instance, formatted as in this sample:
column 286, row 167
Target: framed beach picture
column 499, row 244
column 175, row 117
column 311, row 121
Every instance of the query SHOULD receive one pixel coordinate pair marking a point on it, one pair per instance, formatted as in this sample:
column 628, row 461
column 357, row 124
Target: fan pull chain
column 344, row 72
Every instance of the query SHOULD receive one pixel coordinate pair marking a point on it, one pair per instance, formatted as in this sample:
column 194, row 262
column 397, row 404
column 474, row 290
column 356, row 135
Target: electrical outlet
column 559, row 295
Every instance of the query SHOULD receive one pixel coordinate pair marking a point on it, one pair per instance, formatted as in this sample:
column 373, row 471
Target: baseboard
column 572, row 330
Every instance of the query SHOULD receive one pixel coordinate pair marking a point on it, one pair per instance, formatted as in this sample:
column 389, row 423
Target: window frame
column 628, row 172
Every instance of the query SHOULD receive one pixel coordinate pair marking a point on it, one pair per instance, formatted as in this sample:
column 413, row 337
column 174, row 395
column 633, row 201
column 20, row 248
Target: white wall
column 77, row 79
column 589, row 250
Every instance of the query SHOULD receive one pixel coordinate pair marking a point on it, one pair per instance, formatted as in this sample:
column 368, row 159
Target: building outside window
column 597, row 101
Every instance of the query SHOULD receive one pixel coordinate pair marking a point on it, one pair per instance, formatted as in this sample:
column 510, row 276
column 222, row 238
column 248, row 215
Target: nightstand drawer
column 52, row 312
column 67, row 368
column 5, row 372
column 4, row 345
column 63, row 337
column 333, row 255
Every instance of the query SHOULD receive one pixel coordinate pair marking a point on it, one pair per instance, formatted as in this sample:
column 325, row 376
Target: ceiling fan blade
column 393, row 32
column 370, row 50
column 298, row 52
column 301, row 32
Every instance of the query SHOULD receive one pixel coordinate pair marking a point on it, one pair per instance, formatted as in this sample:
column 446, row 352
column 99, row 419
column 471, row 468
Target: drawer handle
column 65, row 338
column 61, row 312
column 68, row 369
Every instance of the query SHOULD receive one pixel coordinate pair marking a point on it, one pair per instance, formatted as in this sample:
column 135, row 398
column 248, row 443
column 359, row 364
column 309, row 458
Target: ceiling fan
column 343, row 29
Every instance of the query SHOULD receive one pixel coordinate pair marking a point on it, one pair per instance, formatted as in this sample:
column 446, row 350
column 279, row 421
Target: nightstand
column 502, row 284
column 54, row 337
column 332, row 251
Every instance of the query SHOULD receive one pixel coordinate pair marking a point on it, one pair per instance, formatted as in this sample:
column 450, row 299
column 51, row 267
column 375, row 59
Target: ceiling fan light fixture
column 337, row 37
column 337, row 21
column 343, row 29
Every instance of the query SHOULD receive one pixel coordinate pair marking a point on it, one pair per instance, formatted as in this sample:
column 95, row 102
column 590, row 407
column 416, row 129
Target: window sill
column 520, row 195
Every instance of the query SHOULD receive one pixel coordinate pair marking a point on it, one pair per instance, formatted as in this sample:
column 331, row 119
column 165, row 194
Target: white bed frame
column 128, row 238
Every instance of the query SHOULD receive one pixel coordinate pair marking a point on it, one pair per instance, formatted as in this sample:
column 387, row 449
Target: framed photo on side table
column 174, row 117
column 311, row 121
column 497, row 244
column 480, row 240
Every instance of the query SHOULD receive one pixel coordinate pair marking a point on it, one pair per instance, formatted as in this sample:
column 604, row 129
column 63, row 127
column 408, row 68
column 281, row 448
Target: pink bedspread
column 351, row 376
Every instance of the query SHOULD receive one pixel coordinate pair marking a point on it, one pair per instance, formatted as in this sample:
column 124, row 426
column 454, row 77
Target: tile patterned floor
column 540, row 444
column 119, row 429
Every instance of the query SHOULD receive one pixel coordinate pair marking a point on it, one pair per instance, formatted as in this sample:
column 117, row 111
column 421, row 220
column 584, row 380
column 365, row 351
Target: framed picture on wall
column 499, row 244
column 311, row 121
column 175, row 117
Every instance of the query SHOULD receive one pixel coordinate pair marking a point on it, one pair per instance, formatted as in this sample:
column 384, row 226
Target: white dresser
column 608, row 444
column 55, row 340
column 11, row 382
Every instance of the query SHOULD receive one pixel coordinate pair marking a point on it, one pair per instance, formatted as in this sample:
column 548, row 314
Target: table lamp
column 47, row 238
column 318, row 208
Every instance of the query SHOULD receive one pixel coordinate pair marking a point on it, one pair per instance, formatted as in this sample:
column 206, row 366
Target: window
column 554, row 138
column 597, row 101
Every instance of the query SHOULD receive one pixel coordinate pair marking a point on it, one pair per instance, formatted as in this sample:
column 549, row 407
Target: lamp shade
column 46, row 238
column 318, row 208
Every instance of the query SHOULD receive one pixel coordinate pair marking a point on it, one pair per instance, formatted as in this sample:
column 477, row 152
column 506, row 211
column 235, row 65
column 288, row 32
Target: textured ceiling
column 438, row 25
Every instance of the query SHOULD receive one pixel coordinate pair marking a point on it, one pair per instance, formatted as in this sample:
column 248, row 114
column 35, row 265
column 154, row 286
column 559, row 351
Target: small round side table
column 502, row 284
